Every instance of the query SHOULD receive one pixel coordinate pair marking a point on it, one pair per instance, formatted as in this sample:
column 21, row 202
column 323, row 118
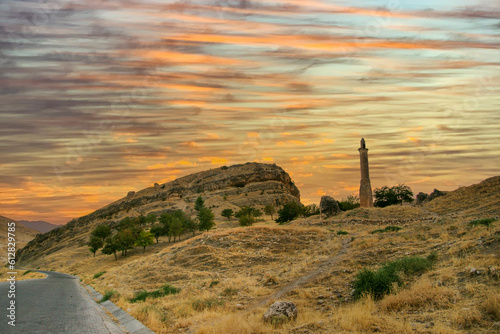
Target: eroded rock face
column 280, row 312
column 250, row 184
column 329, row 206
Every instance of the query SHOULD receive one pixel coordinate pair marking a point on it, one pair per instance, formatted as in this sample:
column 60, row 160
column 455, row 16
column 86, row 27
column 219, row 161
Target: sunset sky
column 102, row 97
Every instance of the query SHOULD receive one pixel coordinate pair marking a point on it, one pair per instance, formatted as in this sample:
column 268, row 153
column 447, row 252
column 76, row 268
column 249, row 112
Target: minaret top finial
column 363, row 145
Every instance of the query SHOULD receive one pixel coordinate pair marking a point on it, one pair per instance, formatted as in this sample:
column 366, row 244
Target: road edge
column 131, row 324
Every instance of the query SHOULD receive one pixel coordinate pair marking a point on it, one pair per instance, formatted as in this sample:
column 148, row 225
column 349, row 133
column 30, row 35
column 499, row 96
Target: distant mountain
column 39, row 226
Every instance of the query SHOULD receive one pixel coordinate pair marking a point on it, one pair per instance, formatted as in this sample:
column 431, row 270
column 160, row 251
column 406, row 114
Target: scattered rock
column 240, row 307
column 329, row 206
column 280, row 312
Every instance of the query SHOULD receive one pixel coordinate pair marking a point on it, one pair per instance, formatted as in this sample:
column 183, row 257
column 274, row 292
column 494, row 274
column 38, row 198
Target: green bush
column 27, row 272
column 381, row 282
column 247, row 220
column 99, row 274
column 485, row 221
column 290, row 211
column 207, row 304
column 165, row 290
column 350, row 203
column 107, row 295
column 342, row 233
column 213, row 283
column 387, row 229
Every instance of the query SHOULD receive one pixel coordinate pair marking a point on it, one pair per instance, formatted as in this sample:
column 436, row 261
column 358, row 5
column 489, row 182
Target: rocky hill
column 250, row 184
column 22, row 235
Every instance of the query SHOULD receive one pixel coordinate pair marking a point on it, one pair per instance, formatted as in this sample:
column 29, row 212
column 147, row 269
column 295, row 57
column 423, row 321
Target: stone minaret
column 365, row 188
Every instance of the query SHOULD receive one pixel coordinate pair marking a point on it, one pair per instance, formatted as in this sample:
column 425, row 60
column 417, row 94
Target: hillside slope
column 251, row 184
column 22, row 235
column 229, row 276
column 479, row 199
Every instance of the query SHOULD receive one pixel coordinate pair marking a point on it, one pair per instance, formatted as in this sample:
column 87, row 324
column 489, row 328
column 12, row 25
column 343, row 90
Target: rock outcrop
column 329, row 206
column 250, row 184
column 424, row 198
column 280, row 312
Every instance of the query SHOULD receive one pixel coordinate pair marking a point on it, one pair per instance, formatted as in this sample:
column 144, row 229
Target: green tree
column 151, row 218
column 126, row 223
column 141, row 220
column 199, row 204
column 385, row 196
column 125, row 240
column 111, row 247
column 247, row 210
column 101, row 232
column 228, row 213
column 176, row 227
column 270, row 210
column 290, row 211
column 247, row 220
column 95, row 243
column 145, row 239
column 157, row 231
column 190, row 225
column 206, row 219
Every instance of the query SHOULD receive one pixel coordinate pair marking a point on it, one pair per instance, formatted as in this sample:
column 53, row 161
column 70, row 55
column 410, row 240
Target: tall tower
column 365, row 187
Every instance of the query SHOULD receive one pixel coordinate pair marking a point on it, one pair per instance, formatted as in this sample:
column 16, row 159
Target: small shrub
column 165, row 290
column 485, row 222
column 381, row 282
column 99, row 274
column 387, row 229
column 27, row 272
column 107, row 295
column 140, row 296
column 207, row 304
column 342, row 232
column 213, row 283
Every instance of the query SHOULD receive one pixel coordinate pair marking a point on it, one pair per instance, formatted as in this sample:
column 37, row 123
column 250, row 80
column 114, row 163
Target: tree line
column 131, row 232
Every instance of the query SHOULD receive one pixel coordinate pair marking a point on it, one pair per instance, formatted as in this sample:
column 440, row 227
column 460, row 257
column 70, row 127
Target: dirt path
column 321, row 268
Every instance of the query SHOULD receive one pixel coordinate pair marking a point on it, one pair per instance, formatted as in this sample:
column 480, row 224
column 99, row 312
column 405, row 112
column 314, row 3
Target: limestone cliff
column 250, row 184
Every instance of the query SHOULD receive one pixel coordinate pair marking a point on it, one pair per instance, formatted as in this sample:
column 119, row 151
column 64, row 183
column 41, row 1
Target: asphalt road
column 58, row 304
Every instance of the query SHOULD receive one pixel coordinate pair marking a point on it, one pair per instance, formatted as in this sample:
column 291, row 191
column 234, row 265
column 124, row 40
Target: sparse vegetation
column 99, row 274
column 349, row 203
column 107, row 295
column 207, row 304
column 485, row 222
column 342, row 232
column 383, row 281
column 387, row 229
column 165, row 290
column 27, row 272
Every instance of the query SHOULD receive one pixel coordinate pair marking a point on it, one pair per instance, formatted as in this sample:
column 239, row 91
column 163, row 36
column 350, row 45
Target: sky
column 98, row 98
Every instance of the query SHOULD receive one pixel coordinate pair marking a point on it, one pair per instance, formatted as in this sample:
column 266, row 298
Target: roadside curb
column 131, row 324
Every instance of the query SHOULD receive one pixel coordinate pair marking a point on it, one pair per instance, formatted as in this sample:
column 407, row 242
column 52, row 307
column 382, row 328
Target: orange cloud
column 214, row 160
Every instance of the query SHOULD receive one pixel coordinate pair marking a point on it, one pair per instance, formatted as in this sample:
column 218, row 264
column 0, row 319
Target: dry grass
column 423, row 294
column 20, row 276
